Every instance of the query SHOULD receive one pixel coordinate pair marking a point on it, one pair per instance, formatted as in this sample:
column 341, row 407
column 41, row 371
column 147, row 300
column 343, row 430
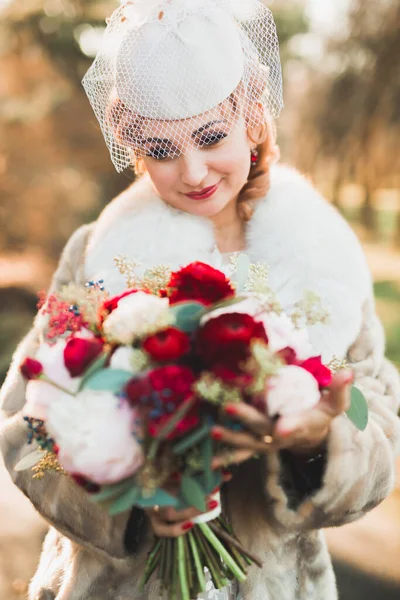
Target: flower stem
column 182, row 569
column 233, row 542
column 199, row 570
column 151, row 564
column 215, row 569
column 220, row 548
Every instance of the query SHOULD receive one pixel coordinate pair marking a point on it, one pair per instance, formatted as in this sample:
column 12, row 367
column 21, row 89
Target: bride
column 186, row 92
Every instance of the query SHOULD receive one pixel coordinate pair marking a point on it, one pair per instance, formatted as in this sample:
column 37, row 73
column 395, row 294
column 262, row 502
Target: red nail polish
column 231, row 410
column 216, row 435
column 212, row 504
column 187, row 526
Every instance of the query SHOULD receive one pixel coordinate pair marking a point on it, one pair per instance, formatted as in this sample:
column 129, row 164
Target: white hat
column 169, row 60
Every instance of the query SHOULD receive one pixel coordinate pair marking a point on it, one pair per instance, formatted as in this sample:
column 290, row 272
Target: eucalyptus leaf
column 191, row 440
column 358, row 411
column 112, row 380
column 175, row 418
column 242, row 271
column 187, row 315
column 207, row 454
column 96, row 365
column 111, row 491
column 29, row 460
column 193, row 493
column 125, row 502
column 225, row 303
column 160, row 498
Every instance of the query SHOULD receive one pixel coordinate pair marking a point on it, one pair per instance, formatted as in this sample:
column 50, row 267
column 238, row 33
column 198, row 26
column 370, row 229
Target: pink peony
column 95, row 435
column 292, row 391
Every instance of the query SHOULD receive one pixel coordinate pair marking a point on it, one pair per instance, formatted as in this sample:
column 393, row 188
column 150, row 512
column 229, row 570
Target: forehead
column 177, row 131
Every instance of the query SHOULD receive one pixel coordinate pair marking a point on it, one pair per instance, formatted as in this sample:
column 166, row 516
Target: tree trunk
column 368, row 216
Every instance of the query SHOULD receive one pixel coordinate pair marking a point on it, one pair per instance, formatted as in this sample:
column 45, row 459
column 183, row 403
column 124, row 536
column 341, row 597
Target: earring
column 254, row 157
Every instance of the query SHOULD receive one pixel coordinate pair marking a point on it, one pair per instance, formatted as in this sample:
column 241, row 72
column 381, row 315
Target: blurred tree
column 352, row 114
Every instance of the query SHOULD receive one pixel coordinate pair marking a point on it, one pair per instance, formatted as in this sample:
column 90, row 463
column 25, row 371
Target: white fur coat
column 307, row 245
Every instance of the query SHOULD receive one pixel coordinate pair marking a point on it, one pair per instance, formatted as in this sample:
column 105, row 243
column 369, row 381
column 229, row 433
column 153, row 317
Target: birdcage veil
column 163, row 62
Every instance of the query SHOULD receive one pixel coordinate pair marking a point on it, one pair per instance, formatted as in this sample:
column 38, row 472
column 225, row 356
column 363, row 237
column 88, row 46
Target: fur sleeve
column 360, row 466
column 58, row 499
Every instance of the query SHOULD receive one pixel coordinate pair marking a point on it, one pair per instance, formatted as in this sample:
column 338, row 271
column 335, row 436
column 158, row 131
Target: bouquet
column 123, row 392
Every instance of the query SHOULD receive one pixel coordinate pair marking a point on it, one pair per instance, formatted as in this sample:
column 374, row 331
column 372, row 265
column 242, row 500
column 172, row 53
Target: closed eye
column 211, row 138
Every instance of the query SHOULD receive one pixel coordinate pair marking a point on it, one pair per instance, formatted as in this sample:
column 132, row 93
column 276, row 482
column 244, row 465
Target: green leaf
column 93, row 368
column 29, row 460
column 160, row 498
column 193, row 493
column 358, row 411
column 225, row 303
column 207, row 454
column 191, row 440
column 111, row 491
column 112, row 380
column 242, row 271
column 174, row 420
column 187, row 315
column 125, row 502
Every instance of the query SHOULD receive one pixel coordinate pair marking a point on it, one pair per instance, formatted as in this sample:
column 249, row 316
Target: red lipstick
column 203, row 194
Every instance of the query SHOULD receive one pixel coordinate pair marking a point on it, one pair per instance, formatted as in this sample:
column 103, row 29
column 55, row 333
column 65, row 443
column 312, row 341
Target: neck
column 229, row 229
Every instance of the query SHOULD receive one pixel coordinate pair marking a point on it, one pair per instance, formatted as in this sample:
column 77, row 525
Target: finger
column 337, row 400
column 308, row 430
column 163, row 529
column 249, row 416
column 238, row 439
column 231, row 458
column 169, row 513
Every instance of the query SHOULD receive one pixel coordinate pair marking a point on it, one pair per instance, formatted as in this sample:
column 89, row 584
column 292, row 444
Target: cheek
column 163, row 176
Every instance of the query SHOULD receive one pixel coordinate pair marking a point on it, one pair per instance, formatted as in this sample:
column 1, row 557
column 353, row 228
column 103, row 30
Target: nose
column 193, row 168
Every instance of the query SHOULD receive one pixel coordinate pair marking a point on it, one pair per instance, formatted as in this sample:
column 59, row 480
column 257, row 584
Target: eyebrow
column 168, row 142
column 204, row 127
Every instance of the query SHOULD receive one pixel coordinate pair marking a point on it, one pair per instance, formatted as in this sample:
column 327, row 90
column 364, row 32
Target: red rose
column 79, row 353
column 288, row 355
column 321, row 373
column 231, row 377
column 111, row 304
column 138, row 391
column 200, row 283
column 171, row 385
column 31, row 368
column 167, row 345
column 226, row 339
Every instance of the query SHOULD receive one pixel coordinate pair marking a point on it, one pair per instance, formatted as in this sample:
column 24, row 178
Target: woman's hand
column 304, row 433
column 169, row 522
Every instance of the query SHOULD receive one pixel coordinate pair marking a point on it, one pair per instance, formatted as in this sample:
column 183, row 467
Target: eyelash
column 207, row 140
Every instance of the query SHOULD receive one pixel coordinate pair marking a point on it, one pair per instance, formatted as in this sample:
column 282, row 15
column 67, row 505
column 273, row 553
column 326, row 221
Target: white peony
column 122, row 359
column 136, row 316
column 94, row 432
column 40, row 395
column 292, row 391
column 52, row 359
column 282, row 334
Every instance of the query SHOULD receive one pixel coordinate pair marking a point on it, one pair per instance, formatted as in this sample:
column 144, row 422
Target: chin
column 205, row 209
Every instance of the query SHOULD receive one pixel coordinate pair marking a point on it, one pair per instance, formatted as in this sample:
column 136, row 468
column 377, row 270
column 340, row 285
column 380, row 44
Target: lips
column 203, row 194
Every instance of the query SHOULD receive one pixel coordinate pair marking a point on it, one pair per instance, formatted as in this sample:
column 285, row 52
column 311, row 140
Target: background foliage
column 340, row 126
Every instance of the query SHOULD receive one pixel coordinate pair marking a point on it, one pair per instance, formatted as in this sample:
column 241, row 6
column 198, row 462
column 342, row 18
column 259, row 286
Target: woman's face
column 208, row 177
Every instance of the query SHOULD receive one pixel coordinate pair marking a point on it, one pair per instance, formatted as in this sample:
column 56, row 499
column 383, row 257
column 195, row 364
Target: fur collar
column 304, row 241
